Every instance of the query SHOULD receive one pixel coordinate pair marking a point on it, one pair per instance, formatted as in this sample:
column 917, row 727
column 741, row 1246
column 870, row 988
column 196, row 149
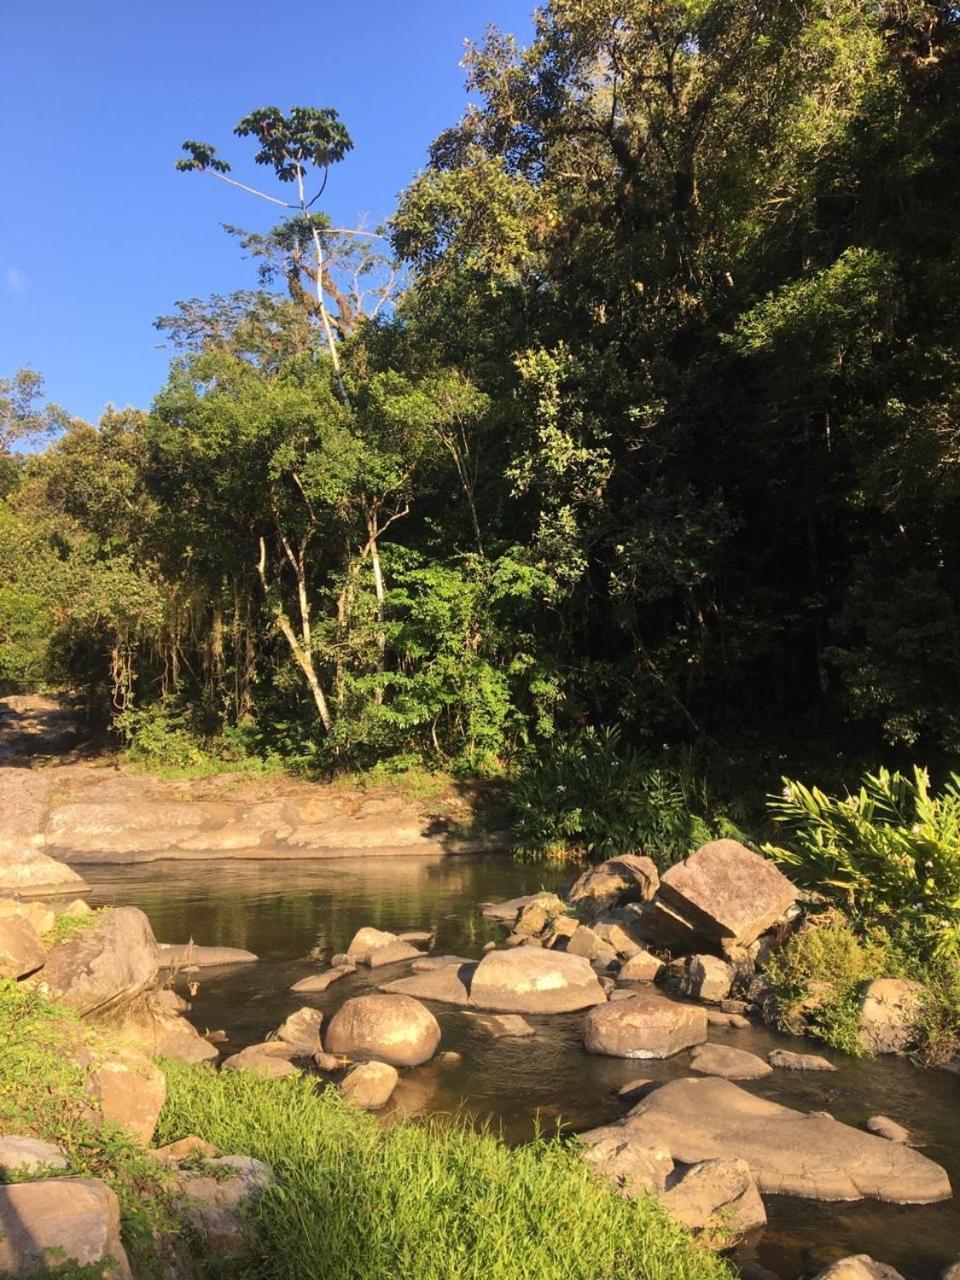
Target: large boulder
column 24, row 867
column 301, row 1031
column 630, row 878
column 21, row 950
column 61, row 1220
column 889, row 1013
column 531, row 980
column 105, row 964
column 395, row 1029
column 707, row 978
column 154, row 1024
column 789, row 1152
column 646, row 1026
column 723, row 892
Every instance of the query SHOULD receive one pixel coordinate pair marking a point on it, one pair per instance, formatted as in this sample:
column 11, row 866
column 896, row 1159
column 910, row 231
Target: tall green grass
column 438, row 1201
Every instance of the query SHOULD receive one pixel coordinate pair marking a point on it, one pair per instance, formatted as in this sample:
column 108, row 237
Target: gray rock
column 395, row 1029
column 889, row 1014
column 634, row 1170
column 788, row 1061
column 69, row 1219
column 727, row 1063
column 531, row 980
column 789, row 1152
column 725, row 892
column 448, row 984
column 506, row 912
column 631, row 878
column 301, row 1031
column 648, row 1026
column 29, row 1155
column 860, row 1267
column 318, row 982
column 642, row 967
column 717, row 1199
column 585, row 942
column 21, row 950
column 707, row 978
column 104, row 966
column 187, row 955
column 369, row 1085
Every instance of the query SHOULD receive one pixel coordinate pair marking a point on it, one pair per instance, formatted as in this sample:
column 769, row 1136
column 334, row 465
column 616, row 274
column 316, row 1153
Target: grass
column 436, row 1201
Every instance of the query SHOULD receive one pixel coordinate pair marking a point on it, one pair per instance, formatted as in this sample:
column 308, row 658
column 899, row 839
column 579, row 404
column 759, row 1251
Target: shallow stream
column 284, row 910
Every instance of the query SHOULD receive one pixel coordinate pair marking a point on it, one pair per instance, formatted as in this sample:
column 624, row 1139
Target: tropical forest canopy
column 644, row 410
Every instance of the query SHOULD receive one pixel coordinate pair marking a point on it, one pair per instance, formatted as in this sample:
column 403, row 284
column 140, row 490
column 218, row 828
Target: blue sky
column 99, row 234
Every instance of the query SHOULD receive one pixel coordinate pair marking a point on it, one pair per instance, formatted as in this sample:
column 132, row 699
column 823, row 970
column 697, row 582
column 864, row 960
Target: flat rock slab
column 506, row 912
column 728, row 1063
column 318, row 982
column 648, row 1026
column 425, row 964
column 789, row 1152
column 393, row 953
column 186, row 955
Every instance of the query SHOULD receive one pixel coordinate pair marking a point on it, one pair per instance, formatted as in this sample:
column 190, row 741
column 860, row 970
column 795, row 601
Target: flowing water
column 282, row 911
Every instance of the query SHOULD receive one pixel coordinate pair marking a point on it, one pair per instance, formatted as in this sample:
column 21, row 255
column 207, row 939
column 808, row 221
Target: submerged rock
column 502, row 1025
column 728, row 1063
column 648, row 1026
column 320, row 981
column 61, row 1220
column 395, row 1029
column 789, row 1152
column 187, row 955
column 788, row 1061
column 884, row 1127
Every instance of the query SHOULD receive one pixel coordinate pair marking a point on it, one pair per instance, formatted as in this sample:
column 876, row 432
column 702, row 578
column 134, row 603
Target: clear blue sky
column 99, row 234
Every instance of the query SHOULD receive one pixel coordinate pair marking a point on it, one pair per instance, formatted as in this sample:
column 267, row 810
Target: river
column 282, row 911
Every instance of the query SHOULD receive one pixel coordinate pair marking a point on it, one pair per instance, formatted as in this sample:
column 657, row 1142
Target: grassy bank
column 420, row 1201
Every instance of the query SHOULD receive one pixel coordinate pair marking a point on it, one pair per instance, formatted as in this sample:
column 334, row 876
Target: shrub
column 592, row 794
column 888, row 855
column 435, row 1201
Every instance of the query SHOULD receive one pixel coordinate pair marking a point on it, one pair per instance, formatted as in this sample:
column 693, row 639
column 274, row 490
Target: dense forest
column 642, row 411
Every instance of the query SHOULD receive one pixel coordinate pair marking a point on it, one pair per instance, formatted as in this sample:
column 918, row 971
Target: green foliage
column 432, row 1201
column 593, row 794
column 819, row 976
column 889, row 853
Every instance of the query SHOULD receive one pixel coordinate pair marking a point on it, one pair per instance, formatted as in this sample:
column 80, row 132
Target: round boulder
column 648, row 1026
column 395, row 1029
column 369, row 1085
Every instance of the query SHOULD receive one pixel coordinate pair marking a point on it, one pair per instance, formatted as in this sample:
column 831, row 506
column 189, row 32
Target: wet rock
column 367, row 940
column 721, row 892
column 61, row 1220
column 393, row 953
column 395, row 1029
column 717, row 1199
column 449, row 1058
column 506, row 912
column 187, row 955
column 130, row 1092
column 889, row 1014
column 631, row 878
column 585, row 942
column 369, row 1085
column 104, row 966
column 789, row 1152
column 21, row 950
column 648, row 1026
column 788, row 1061
column 728, row 1063
column 707, row 978
column 529, row 980
column 301, row 1031
column 318, row 982
column 742, row 1007
column 415, row 935
column 717, row 1018
column 633, row 1169
column 861, row 1267
column 884, row 1127
column 634, row 1088
column 24, row 1156
column 642, row 967
column 501, row 1025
